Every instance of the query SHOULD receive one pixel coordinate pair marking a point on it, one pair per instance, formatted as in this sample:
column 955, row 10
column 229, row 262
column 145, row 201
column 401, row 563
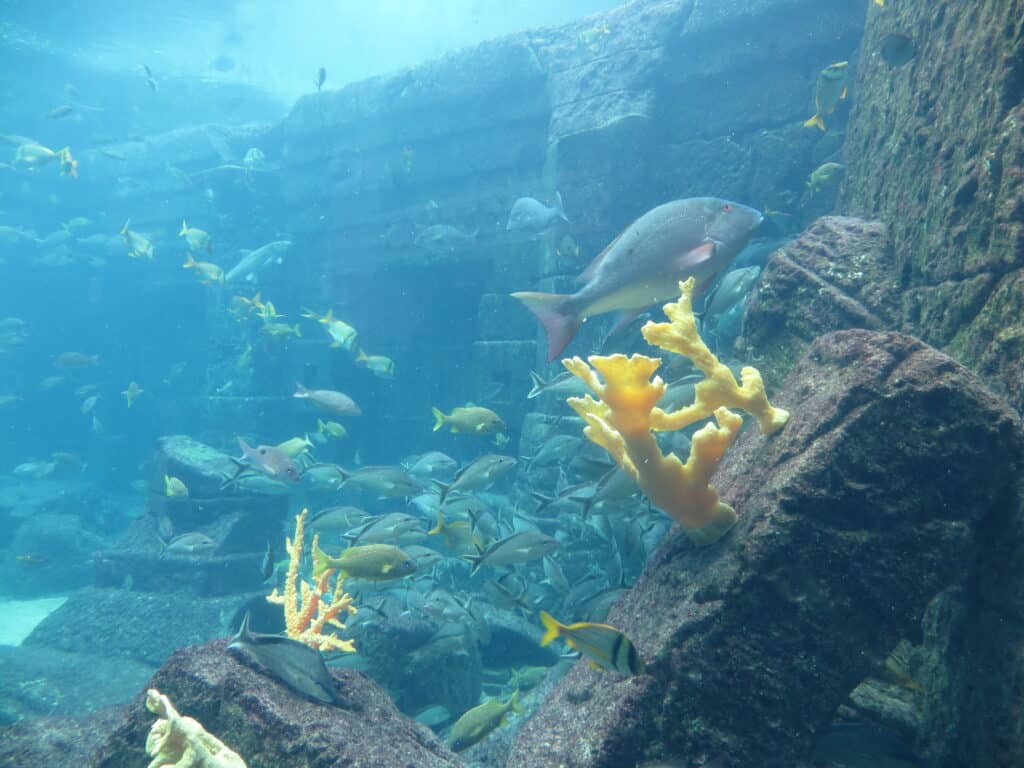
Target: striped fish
column 604, row 645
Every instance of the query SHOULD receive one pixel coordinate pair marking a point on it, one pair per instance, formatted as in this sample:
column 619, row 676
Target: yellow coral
column 182, row 742
column 307, row 615
column 623, row 418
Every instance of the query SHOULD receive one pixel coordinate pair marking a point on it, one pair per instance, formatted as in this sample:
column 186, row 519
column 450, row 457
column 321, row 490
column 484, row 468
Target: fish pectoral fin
column 386, row 568
column 843, row 94
column 689, row 261
column 623, row 319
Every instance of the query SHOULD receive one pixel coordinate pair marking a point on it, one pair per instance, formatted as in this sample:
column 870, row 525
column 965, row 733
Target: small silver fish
column 532, row 216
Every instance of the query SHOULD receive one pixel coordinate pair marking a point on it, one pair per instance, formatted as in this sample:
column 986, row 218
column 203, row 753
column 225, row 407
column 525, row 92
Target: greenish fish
column 477, row 723
column 374, row 562
column 829, row 91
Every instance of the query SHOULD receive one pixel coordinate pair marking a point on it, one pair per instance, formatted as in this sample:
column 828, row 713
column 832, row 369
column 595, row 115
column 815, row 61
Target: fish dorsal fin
column 588, row 274
column 243, row 633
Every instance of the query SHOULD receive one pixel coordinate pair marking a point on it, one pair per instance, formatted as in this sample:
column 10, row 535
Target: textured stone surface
column 869, row 503
column 269, row 726
column 56, row 741
column 144, row 627
column 840, row 273
column 942, row 163
column 38, row 681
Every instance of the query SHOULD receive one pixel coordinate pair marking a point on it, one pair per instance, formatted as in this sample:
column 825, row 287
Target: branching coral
column 181, row 742
column 308, row 614
column 623, row 419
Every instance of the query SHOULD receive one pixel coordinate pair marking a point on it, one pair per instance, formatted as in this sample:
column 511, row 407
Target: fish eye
column 726, row 208
column 410, row 564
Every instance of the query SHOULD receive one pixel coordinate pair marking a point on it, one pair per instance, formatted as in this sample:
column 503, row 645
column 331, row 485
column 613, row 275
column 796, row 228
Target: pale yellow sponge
column 181, row 742
column 623, row 419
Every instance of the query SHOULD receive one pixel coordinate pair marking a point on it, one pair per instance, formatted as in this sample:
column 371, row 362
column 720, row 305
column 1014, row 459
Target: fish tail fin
column 550, row 309
column 815, row 122
column 300, row 390
column 559, row 208
column 184, row 228
column 439, row 418
column 320, row 426
column 298, row 331
column 320, row 561
column 538, row 385
column 552, row 629
column 328, row 318
column 514, row 703
column 189, row 262
column 361, row 356
column 124, row 229
column 439, row 528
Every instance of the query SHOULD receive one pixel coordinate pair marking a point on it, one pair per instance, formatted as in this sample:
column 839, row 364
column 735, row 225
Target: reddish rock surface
column 896, row 469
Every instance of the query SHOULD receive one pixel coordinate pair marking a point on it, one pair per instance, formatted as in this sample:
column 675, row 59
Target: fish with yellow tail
column 829, row 91
column 379, row 365
column 469, row 419
column 132, row 393
column 197, row 239
column 605, row 646
column 374, row 562
column 477, row 723
column 174, row 487
column 207, row 272
column 694, row 237
column 139, row 246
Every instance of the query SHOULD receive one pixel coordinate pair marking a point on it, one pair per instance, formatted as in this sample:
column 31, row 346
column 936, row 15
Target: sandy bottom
column 19, row 617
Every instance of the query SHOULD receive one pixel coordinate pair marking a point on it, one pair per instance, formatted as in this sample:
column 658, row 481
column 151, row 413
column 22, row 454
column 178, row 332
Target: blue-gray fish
column 295, row 664
column 695, row 237
column 531, row 215
column 523, row 547
column 254, row 262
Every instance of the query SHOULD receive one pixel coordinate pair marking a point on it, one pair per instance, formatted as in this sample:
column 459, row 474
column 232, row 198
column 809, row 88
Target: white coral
column 181, row 742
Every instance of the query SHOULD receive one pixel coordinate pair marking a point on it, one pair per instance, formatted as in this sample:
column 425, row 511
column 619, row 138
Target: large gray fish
column 531, row 215
column 523, row 547
column 389, row 482
column 254, row 262
column 564, row 384
column 478, row 475
column 385, row 529
column 695, row 237
column 295, row 664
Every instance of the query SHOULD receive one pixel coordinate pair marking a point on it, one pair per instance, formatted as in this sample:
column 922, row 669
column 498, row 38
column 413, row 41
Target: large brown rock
column 838, row 274
column 896, row 469
column 270, row 726
column 935, row 148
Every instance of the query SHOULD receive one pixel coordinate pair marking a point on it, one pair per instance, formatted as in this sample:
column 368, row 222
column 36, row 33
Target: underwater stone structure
column 269, row 725
column 612, row 111
column 846, row 534
column 936, row 150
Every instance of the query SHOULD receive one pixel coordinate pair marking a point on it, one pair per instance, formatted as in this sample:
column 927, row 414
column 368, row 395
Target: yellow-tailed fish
column 132, row 393
column 471, row 419
column 829, row 91
column 174, row 486
column 208, row 272
column 477, row 723
column 197, row 239
column 605, row 646
column 374, row 562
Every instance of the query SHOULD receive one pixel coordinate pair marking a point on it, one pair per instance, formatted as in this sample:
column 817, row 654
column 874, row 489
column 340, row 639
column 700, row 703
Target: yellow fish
column 472, row 419
column 379, row 365
column 197, row 239
column 331, row 429
column 208, row 272
column 830, row 90
column 139, row 246
column 173, row 486
column 604, row 645
column 132, row 393
column 295, row 447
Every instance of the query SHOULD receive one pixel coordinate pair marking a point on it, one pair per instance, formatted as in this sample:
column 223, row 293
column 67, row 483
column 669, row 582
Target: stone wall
column 936, row 150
